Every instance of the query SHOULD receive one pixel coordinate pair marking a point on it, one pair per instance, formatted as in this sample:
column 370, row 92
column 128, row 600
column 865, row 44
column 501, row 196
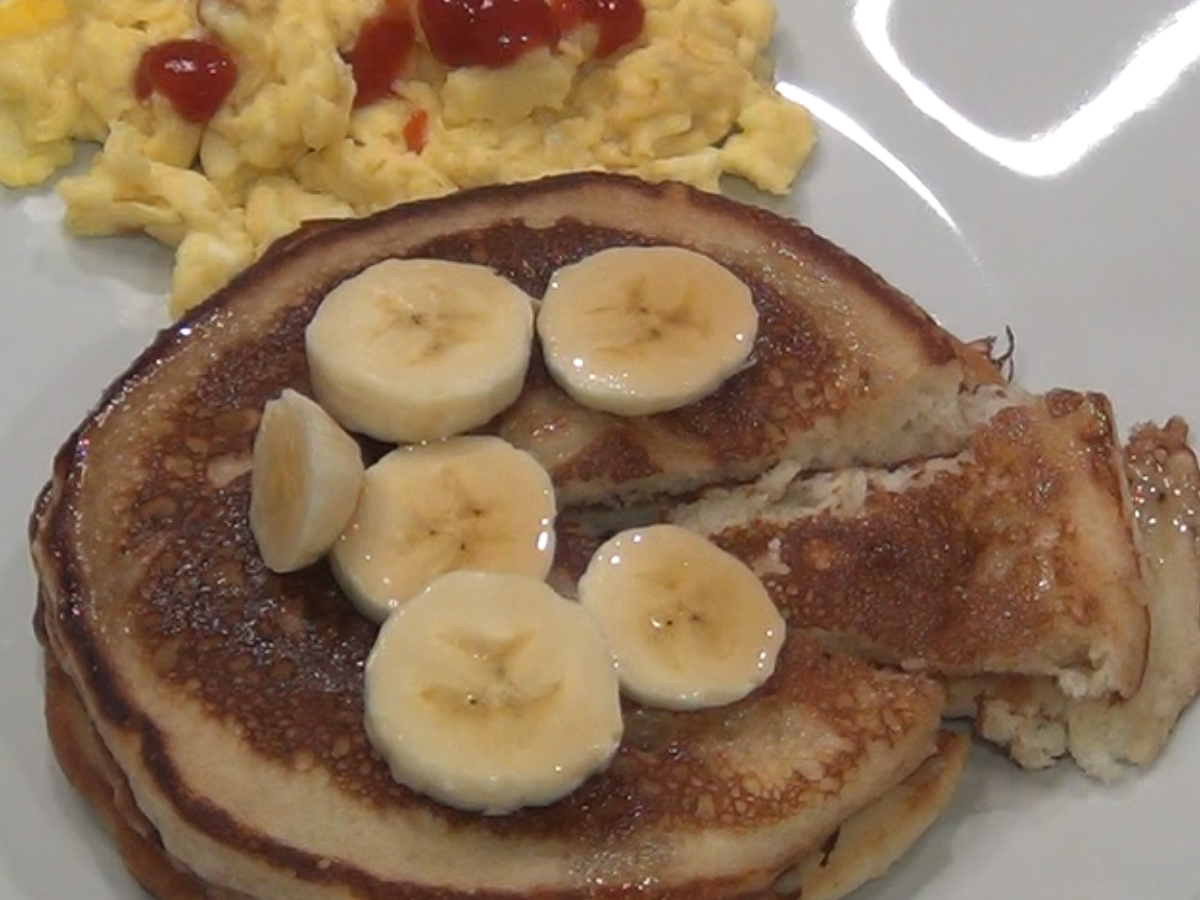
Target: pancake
column 861, row 849
column 264, row 783
column 1050, row 577
column 1016, row 556
column 1035, row 721
column 869, row 842
column 846, row 370
column 228, row 699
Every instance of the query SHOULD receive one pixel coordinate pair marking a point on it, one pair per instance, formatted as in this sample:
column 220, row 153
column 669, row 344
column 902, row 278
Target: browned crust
column 1022, row 559
column 69, row 615
column 866, row 845
column 1034, row 721
column 910, row 705
column 92, row 772
column 782, row 234
column 346, row 239
column 862, row 848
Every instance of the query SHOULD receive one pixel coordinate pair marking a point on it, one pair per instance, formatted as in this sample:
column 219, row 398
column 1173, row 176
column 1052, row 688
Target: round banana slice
column 305, row 479
column 420, row 349
column 473, row 502
column 691, row 625
column 640, row 330
column 491, row 692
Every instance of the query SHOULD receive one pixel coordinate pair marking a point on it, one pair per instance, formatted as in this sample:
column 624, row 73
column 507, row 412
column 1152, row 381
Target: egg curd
column 687, row 98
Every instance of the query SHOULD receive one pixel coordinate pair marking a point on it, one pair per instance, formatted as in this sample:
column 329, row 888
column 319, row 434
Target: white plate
column 1026, row 164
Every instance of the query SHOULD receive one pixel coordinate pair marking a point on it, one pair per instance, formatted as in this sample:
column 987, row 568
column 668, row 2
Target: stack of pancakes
column 212, row 710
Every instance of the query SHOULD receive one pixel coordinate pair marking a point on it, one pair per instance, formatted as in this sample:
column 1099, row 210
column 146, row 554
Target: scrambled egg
column 688, row 100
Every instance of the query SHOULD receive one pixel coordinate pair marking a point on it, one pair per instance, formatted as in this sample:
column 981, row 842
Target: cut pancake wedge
column 1049, row 577
column 1035, row 721
column 229, row 698
column 1016, row 556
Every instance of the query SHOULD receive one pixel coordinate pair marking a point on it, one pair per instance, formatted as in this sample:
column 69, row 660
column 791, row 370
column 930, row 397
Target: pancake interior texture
column 1109, row 735
column 228, row 699
column 1015, row 556
column 1050, row 577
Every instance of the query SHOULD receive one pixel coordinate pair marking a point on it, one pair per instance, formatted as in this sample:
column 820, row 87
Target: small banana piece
column 305, row 478
column 640, row 330
column 420, row 349
column 691, row 625
column 490, row 692
column 472, row 502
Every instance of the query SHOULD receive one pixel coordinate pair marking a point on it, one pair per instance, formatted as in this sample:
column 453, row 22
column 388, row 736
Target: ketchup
column 416, row 131
column 490, row 33
column 382, row 48
column 618, row 21
column 195, row 76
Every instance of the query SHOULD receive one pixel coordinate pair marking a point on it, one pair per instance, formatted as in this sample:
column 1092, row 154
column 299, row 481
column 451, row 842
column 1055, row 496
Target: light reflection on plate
column 1160, row 59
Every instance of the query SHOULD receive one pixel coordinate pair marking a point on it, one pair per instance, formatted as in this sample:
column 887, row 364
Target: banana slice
column 490, row 692
column 305, row 478
column 691, row 625
column 472, row 502
column 639, row 330
column 420, row 349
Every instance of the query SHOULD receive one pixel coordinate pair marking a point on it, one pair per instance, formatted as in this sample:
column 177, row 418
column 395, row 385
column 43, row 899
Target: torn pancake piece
column 1017, row 556
column 1108, row 736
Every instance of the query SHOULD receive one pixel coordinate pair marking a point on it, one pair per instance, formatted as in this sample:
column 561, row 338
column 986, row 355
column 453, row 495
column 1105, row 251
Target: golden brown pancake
column 846, row 369
column 861, row 849
column 866, row 846
column 1049, row 576
column 228, row 697
column 1016, row 556
column 1035, row 720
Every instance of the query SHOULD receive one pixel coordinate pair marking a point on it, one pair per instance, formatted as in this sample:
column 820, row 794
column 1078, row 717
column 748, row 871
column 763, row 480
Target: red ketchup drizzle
column 618, row 22
column 486, row 32
column 194, row 75
column 416, row 131
column 382, row 48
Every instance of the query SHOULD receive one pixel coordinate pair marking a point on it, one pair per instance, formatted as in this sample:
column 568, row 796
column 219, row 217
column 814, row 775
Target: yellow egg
column 21, row 18
column 689, row 99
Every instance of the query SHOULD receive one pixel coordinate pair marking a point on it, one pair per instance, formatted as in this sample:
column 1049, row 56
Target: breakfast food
column 863, row 847
column 963, row 565
column 306, row 475
column 845, row 369
column 227, row 757
column 461, row 361
column 209, row 706
column 689, row 625
column 263, row 672
column 471, row 502
column 640, row 330
column 1014, row 571
column 224, row 124
column 869, row 842
column 488, row 691
column 1038, row 722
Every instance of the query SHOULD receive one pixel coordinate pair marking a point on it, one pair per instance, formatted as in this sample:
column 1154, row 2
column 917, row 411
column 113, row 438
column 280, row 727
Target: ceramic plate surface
column 1010, row 164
